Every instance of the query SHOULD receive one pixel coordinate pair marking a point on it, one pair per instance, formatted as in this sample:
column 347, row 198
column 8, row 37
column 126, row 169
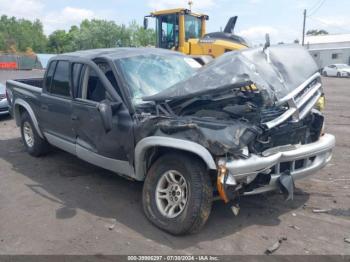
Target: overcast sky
column 282, row 19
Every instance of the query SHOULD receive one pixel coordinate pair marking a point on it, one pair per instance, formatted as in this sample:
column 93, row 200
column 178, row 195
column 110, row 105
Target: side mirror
column 106, row 113
column 267, row 41
column 145, row 23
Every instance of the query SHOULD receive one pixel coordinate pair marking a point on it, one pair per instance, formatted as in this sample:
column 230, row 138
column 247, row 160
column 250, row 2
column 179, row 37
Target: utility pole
column 304, row 22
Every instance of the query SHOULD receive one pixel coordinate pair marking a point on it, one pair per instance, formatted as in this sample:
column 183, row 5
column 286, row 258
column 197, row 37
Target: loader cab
column 175, row 27
column 185, row 31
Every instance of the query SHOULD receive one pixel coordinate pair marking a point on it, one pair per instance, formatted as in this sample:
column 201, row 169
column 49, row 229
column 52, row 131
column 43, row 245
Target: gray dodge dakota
column 245, row 123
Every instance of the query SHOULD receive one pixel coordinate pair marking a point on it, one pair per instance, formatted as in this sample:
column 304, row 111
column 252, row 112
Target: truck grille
column 292, row 165
column 300, row 102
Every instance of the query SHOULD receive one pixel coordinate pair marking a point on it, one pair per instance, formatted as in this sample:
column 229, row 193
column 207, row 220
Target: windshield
column 147, row 75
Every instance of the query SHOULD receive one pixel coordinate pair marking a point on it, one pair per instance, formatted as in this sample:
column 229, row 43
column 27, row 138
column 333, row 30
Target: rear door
column 56, row 106
column 111, row 150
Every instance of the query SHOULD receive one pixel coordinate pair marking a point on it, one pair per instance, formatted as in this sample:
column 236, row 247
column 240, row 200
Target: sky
column 282, row 19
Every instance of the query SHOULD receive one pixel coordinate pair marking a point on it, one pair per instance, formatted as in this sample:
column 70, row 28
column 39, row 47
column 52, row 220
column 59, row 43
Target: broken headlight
column 321, row 103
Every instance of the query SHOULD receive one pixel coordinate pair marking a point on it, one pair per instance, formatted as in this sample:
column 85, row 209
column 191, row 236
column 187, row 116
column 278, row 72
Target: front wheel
column 177, row 194
column 338, row 74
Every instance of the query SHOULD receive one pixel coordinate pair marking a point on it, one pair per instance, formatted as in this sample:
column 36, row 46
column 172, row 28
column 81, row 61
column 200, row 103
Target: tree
column 141, row 36
column 317, row 32
column 26, row 36
column 21, row 34
column 58, row 41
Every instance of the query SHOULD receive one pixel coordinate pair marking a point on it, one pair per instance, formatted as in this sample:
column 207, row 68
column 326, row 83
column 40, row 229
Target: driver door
column 110, row 149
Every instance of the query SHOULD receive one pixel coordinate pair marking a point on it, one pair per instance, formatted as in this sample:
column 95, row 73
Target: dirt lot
column 60, row 205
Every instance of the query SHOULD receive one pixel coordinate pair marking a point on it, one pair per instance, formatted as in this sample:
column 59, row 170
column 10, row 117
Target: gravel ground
column 59, row 204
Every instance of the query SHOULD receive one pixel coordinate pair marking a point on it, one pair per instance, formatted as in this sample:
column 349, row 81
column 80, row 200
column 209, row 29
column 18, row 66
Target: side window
column 50, row 71
column 60, row 81
column 193, row 27
column 93, row 88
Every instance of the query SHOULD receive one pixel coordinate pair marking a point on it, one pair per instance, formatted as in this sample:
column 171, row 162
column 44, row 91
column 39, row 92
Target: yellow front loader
column 185, row 31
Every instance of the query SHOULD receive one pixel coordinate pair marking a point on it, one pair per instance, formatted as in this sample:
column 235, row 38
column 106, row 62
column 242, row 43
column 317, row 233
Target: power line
column 328, row 25
column 312, row 12
column 314, row 5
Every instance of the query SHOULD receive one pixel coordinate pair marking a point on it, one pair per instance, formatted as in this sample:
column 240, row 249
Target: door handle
column 44, row 107
column 74, row 117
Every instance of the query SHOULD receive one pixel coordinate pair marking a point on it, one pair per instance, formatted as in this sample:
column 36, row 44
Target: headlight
column 9, row 95
column 321, row 103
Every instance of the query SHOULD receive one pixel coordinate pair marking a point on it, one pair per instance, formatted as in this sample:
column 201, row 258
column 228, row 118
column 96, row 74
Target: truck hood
column 278, row 71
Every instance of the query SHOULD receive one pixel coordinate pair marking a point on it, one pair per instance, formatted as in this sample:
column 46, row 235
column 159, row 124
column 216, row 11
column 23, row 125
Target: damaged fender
column 158, row 141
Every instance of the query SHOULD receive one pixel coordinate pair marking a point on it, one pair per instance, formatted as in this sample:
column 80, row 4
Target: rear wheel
column 34, row 144
column 177, row 194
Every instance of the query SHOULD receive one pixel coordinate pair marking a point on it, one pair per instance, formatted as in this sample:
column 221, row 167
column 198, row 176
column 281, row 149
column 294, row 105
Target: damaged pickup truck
column 246, row 123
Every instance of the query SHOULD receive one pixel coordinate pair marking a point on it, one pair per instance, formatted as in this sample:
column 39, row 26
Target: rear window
column 60, row 81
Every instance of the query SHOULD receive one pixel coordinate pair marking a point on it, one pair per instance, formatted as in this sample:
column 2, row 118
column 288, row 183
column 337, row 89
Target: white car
column 4, row 107
column 339, row 70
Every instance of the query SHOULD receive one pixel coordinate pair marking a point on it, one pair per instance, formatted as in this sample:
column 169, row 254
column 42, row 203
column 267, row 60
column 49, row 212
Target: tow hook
column 286, row 184
column 235, row 209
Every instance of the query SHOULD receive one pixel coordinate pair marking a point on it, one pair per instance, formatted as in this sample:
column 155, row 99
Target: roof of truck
column 118, row 53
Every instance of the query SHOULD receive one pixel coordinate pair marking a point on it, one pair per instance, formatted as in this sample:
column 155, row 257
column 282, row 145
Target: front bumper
column 301, row 161
column 4, row 108
column 345, row 74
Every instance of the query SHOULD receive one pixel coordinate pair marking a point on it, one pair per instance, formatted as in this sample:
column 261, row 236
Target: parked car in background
column 338, row 70
column 4, row 107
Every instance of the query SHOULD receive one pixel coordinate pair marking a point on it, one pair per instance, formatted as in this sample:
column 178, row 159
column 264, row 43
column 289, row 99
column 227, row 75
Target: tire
column 36, row 146
column 324, row 73
column 338, row 74
column 196, row 210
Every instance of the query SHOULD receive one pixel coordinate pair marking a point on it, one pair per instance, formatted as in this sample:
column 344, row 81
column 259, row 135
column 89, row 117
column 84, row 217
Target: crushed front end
column 258, row 112
column 293, row 145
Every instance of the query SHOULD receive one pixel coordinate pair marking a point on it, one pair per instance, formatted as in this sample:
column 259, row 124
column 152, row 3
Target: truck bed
column 27, row 91
column 37, row 82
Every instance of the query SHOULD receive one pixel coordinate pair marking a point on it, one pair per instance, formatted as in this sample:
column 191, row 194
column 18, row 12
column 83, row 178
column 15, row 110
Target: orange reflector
column 222, row 172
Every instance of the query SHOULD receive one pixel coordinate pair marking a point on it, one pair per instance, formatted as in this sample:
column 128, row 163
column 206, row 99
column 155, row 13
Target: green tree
column 141, row 36
column 317, row 32
column 21, row 34
column 58, row 41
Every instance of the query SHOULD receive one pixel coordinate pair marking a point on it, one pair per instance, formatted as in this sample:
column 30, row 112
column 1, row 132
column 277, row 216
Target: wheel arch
column 21, row 106
column 144, row 146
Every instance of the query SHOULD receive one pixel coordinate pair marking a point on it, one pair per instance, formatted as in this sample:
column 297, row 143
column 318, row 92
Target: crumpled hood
column 278, row 71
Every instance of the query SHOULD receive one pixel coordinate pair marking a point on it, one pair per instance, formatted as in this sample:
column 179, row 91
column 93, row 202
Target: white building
column 329, row 49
